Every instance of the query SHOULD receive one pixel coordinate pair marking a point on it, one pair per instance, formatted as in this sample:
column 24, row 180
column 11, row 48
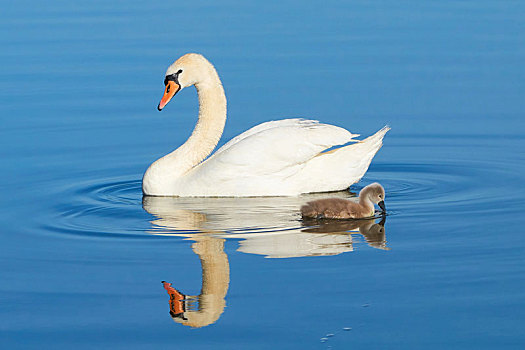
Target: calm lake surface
column 83, row 254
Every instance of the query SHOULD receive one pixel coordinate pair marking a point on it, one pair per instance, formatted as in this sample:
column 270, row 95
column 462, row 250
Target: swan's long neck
column 212, row 116
column 207, row 132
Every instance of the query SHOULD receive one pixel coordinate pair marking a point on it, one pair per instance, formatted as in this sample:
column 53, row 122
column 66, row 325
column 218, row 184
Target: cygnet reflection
column 324, row 237
column 374, row 233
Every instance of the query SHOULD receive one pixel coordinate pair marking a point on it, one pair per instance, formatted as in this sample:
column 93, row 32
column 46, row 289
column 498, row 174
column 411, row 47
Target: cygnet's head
column 188, row 70
column 375, row 193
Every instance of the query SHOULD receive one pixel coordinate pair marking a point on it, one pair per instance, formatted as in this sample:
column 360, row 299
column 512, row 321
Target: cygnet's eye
column 179, row 71
column 380, row 196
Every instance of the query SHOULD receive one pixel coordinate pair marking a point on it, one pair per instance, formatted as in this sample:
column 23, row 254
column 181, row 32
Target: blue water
column 83, row 254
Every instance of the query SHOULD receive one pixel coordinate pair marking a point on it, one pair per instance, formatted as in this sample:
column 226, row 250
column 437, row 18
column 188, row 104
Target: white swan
column 277, row 158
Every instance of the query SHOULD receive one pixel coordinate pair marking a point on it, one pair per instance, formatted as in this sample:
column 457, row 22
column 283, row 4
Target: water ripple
column 115, row 208
column 423, row 189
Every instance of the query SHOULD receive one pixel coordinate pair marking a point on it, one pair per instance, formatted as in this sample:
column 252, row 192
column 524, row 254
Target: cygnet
column 338, row 208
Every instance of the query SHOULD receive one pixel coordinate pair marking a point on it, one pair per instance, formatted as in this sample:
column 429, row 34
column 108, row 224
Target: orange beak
column 171, row 89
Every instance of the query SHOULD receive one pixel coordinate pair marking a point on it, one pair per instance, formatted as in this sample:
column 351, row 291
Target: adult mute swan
column 277, row 158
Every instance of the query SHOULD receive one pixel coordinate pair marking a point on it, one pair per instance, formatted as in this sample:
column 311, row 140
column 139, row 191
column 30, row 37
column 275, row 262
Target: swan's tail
column 375, row 141
column 358, row 156
column 338, row 169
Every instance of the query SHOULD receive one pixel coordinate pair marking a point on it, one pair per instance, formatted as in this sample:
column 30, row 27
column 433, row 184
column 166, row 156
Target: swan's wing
column 298, row 123
column 274, row 148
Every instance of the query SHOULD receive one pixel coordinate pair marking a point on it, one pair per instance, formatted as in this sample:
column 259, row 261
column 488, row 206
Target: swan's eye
column 179, row 71
column 168, row 88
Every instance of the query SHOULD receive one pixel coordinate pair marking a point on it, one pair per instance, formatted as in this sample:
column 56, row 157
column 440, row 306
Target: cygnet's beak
column 382, row 205
column 171, row 89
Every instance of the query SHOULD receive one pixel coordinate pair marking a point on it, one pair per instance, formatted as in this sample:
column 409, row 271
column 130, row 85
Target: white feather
column 283, row 160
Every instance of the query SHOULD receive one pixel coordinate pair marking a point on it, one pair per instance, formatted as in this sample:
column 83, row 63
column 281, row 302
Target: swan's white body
column 276, row 158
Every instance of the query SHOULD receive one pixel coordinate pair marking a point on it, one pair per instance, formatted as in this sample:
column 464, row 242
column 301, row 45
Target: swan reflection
column 206, row 308
column 265, row 226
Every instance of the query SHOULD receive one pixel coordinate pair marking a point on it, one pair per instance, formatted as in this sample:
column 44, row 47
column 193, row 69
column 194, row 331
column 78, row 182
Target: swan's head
column 376, row 193
column 190, row 69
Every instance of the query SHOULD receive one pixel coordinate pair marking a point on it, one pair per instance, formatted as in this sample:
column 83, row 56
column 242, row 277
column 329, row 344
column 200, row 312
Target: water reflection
column 264, row 228
column 316, row 238
column 206, row 308
column 374, row 233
